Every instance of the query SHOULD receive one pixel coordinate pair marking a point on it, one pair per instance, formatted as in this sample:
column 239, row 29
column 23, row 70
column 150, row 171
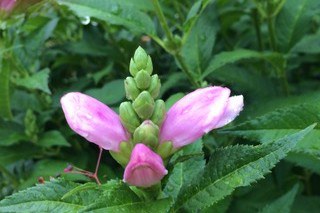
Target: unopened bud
column 149, row 66
column 159, row 112
column 128, row 116
column 155, row 86
column 165, row 149
column 144, row 105
column 142, row 79
column 131, row 88
column 140, row 58
column 123, row 156
column 147, row 133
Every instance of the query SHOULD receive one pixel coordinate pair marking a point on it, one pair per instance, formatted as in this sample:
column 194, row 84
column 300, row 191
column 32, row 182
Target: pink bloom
column 7, row 4
column 93, row 120
column 145, row 167
column 198, row 113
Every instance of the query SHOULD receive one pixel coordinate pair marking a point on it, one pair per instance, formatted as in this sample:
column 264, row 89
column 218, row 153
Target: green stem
column 169, row 35
column 272, row 36
column 162, row 20
column 256, row 21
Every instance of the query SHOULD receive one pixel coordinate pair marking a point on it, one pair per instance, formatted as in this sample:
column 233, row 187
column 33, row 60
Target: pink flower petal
column 93, row 120
column 145, row 167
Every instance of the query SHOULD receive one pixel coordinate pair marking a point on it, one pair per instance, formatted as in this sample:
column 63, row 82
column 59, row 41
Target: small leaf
column 275, row 59
column 38, row 80
column 111, row 93
column 282, row 204
column 52, row 138
column 113, row 12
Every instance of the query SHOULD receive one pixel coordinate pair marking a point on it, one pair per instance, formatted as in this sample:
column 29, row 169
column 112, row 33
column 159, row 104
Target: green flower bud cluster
column 142, row 114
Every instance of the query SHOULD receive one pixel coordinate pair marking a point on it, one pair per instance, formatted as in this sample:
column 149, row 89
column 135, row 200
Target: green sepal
column 144, row 105
column 147, row 133
column 128, row 116
column 133, row 68
column 159, row 112
column 131, row 88
column 124, row 154
column 155, row 86
column 143, row 79
column 165, row 149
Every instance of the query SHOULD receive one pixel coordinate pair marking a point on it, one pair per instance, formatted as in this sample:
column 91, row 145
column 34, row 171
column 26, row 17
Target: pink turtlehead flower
column 145, row 167
column 93, row 120
column 198, row 113
column 7, row 4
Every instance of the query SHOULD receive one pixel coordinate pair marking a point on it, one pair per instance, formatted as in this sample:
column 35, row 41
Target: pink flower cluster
column 7, row 5
column 186, row 121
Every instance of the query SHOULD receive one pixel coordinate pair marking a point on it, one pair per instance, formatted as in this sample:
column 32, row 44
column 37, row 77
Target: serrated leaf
column 294, row 21
column 38, row 80
column 275, row 59
column 113, row 12
column 52, row 138
column 234, row 167
column 282, row 204
column 184, row 172
column 47, row 198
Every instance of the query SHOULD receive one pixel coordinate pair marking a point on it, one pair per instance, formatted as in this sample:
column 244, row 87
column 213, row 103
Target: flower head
column 198, row 113
column 145, row 167
column 93, row 120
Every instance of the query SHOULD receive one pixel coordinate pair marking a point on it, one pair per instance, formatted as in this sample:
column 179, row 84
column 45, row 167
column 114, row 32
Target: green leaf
column 294, row 21
column 173, row 99
column 111, row 93
column 5, row 110
column 309, row 44
column 310, row 204
column 38, row 80
column 113, row 12
column 184, row 172
column 282, row 204
column 234, row 167
column 47, row 198
column 17, row 152
column 52, row 138
column 197, row 49
column 275, row 59
column 10, row 133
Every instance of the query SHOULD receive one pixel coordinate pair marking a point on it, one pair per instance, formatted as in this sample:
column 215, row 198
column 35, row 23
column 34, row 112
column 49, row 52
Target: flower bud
column 144, row 105
column 140, row 58
column 142, row 79
column 159, row 112
column 145, row 167
column 149, row 66
column 128, row 116
column 165, row 149
column 155, row 86
column 147, row 133
column 131, row 88
column 124, row 153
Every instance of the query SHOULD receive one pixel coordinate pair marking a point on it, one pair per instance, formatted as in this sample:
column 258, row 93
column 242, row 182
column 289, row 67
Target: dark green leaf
column 52, row 138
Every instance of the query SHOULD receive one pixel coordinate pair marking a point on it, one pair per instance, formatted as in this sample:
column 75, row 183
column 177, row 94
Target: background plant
column 266, row 50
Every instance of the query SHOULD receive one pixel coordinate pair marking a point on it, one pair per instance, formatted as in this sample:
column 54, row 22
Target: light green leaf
column 113, row 12
column 275, row 59
column 234, row 167
column 52, row 138
column 282, row 204
column 38, row 80
column 294, row 21
column 309, row 44
column 111, row 93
